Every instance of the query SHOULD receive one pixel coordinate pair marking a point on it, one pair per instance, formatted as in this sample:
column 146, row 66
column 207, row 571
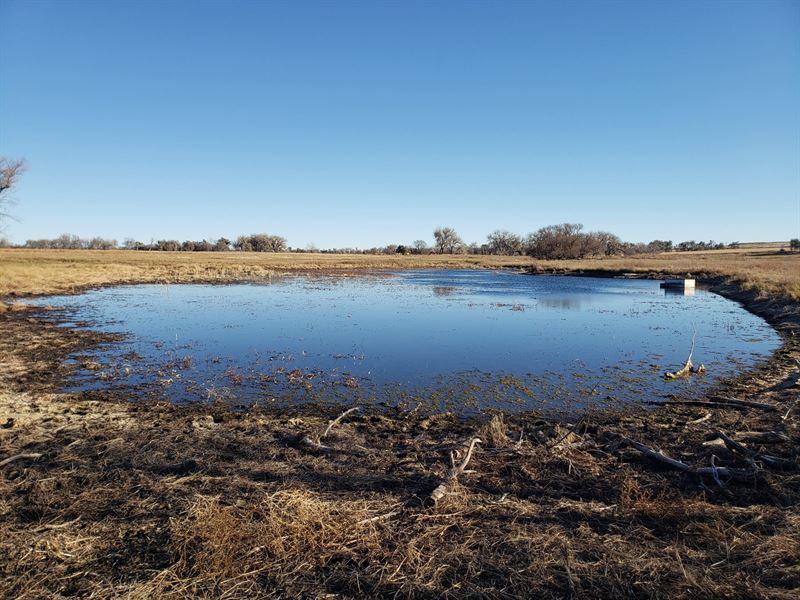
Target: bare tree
column 505, row 243
column 420, row 247
column 10, row 171
column 447, row 240
column 98, row 243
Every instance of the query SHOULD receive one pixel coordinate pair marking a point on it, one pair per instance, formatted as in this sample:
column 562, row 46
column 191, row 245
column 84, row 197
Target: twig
column 715, row 471
column 58, row 525
column 316, row 444
column 11, row 459
column 683, row 569
column 378, row 518
column 791, row 408
column 336, row 420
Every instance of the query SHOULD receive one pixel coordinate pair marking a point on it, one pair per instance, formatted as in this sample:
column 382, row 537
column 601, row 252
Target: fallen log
column 445, row 486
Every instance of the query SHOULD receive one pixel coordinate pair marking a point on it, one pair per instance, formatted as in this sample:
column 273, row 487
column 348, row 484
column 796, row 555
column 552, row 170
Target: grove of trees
column 261, row 242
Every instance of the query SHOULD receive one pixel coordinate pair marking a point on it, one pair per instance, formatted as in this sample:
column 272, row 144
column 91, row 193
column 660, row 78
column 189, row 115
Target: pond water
column 455, row 340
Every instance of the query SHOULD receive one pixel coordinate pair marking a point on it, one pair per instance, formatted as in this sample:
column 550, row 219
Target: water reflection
column 679, row 291
column 561, row 302
column 511, row 340
column 443, row 290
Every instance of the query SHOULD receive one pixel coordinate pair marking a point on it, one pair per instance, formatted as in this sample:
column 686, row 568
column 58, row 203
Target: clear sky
column 366, row 123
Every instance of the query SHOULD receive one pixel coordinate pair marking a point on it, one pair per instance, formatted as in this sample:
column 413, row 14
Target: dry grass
column 27, row 272
column 35, row 272
column 768, row 272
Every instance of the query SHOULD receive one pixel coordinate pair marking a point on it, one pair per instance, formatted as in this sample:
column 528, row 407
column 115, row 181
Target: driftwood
column 11, row 459
column 752, row 455
column 316, row 444
column 715, row 471
column 444, row 488
column 688, row 368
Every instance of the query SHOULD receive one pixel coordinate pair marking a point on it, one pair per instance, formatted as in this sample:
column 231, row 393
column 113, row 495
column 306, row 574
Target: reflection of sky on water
column 501, row 336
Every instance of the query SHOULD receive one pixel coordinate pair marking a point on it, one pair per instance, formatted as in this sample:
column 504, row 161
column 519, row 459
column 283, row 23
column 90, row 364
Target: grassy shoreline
column 140, row 500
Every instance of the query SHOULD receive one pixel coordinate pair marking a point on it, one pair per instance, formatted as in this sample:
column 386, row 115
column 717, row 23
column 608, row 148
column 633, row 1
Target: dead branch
column 444, row 488
column 734, row 446
column 315, row 443
column 11, row 459
column 746, row 403
column 336, row 420
column 713, row 470
column 307, row 441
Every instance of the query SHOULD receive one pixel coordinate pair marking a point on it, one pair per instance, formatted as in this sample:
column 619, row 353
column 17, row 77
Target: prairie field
column 35, row 272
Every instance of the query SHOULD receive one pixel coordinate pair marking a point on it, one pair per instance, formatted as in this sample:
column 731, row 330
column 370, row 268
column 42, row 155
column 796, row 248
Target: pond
column 452, row 340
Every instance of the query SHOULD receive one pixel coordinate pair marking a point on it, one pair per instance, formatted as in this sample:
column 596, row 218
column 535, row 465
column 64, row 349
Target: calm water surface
column 459, row 340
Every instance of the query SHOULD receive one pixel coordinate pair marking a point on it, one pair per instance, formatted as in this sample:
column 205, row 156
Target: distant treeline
column 564, row 241
column 73, row 242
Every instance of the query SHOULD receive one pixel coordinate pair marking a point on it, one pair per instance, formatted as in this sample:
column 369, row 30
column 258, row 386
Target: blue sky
column 365, row 123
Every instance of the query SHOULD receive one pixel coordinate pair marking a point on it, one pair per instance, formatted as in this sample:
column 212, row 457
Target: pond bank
column 151, row 500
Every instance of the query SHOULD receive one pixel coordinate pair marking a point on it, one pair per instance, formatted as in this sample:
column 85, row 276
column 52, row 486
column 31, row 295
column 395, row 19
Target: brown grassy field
column 35, row 272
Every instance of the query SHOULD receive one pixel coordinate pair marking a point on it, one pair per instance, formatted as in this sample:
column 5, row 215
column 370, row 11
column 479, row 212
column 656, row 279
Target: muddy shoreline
column 149, row 499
